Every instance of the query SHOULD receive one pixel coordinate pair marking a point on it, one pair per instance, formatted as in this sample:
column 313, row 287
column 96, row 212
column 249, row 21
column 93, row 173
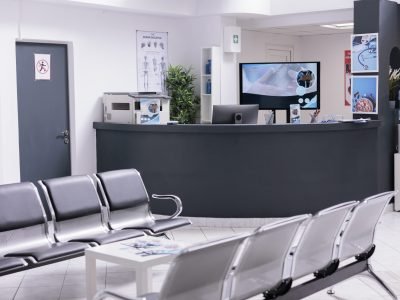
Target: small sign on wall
column 42, row 66
column 232, row 39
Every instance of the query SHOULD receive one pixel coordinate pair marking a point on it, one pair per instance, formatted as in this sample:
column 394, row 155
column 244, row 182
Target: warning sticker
column 42, row 67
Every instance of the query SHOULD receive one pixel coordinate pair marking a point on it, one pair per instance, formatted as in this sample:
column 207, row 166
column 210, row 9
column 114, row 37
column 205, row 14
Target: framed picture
column 364, row 53
column 364, row 94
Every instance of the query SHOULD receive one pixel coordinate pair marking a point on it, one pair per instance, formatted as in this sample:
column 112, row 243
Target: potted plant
column 184, row 103
column 394, row 83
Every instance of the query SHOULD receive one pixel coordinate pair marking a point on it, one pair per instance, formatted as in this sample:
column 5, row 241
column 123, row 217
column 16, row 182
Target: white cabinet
column 208, row 77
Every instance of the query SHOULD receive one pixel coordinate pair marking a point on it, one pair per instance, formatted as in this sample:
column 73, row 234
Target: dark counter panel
column 246, row 170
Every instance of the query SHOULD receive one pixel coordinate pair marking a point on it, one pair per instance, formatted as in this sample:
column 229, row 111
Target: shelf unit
column 208, row 100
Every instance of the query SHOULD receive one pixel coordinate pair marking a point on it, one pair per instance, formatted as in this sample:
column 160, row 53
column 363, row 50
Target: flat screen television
column 235, row 114
column 277, row 85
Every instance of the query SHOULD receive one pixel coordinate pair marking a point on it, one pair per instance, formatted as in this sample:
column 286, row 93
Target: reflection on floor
column 66, row 280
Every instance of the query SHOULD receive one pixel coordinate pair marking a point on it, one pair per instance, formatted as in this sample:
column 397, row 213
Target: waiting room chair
column 358, row 237
column 261, row 263
column 77, row 212
column 127, row 200
column 199, row 272
column 24, row 231
column 317, row 249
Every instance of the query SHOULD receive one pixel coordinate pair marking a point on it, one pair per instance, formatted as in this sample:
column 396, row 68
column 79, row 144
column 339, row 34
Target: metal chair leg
column 330, row 291
column 381, row 282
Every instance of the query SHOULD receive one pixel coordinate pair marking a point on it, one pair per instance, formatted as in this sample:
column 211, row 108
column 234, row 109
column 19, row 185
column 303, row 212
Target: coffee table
column 124, row 253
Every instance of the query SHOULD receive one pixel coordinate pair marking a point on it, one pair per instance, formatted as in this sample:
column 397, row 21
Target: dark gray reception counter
column 246, row 170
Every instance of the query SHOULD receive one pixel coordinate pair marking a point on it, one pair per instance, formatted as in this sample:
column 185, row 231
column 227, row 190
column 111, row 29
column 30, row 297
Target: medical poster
column 42, row 67
column 150, row 111
column 364, row 53
column 364, row 92
column 152, row 61
column 347, row 77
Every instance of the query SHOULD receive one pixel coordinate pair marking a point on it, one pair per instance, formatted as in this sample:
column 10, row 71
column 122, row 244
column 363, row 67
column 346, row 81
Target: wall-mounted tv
column 277, row 85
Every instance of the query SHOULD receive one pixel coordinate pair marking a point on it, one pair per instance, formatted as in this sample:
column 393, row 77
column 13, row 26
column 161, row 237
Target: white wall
column 255, row 44
column 329, row 50
column 103, row 60
column 9, row 152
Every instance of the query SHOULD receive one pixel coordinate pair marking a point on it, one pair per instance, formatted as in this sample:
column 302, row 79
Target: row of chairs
column 81, row 217
column 276, row 257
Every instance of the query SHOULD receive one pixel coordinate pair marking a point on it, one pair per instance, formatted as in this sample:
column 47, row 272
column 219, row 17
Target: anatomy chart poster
column 152, row 61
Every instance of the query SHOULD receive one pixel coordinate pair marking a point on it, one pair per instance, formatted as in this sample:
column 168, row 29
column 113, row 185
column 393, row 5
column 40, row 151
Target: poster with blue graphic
column 364, row 93
column 150, row 111
column 364, row 53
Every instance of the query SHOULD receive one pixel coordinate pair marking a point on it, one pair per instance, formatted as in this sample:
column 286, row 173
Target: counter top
column 228, row 128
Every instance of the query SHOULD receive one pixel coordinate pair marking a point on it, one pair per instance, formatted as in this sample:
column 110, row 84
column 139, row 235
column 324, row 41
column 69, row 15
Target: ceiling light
column 339, row 26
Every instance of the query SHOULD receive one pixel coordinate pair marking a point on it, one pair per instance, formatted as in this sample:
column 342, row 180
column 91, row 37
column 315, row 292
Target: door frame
column 270, row 47
column 71, row 93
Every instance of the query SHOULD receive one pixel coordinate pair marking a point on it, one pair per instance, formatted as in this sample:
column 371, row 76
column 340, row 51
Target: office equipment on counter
column 235, row 114
column 126, row 108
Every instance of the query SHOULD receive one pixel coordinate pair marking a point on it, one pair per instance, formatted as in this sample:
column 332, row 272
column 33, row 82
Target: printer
column 136, row 108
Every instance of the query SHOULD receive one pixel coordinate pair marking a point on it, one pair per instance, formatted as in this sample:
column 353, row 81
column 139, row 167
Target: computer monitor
column 278, row 85
column 235, row 114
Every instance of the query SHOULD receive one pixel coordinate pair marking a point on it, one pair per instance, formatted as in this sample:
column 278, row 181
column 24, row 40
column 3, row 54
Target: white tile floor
column 66, row 280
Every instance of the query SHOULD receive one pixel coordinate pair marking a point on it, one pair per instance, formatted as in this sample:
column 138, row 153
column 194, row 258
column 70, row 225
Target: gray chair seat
column 163, row 225
column 7, row 263
column 124, row 194
column 57, row 250
column 110, row 236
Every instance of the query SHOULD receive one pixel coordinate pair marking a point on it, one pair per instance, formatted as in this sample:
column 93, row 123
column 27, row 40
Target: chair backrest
column 358, row 235
column 23, row 221
column 126, row 197
column 200, row 271
column 261, row 263
column 74, row 205
column 317, row 247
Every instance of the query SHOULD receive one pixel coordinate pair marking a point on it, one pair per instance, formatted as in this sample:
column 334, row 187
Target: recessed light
column 339, row 26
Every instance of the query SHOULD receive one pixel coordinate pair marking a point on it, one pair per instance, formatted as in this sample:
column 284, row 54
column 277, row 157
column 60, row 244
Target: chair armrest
column 174, row 198
column 102, row 295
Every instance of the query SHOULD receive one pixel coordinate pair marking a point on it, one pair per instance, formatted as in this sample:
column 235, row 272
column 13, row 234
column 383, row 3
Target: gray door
column 43, row 113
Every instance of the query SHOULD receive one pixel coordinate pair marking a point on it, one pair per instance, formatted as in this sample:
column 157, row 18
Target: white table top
column 127, row 251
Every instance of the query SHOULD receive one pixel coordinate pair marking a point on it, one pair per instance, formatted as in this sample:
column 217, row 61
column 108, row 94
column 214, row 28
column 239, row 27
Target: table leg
column 143, row 281
column 91, row 285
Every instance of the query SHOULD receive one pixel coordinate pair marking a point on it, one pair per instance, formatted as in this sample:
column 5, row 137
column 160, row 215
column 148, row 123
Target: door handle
column 64, row 135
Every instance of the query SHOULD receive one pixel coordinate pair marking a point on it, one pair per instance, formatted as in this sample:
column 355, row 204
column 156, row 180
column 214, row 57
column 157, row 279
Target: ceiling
column 305, row 30
column 287, row 17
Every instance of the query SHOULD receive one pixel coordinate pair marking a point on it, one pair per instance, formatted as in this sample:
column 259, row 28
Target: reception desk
column 246, row 170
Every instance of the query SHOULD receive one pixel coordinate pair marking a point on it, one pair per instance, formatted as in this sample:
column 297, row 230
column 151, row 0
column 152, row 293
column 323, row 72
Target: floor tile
column 7, row 293
column 38, row 293
column 12, row 280
column 53, row 280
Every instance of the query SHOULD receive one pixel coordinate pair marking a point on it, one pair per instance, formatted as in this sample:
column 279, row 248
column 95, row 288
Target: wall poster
column 364, row 92
column 152, row 60
column 364, row 53
column 347, row 77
